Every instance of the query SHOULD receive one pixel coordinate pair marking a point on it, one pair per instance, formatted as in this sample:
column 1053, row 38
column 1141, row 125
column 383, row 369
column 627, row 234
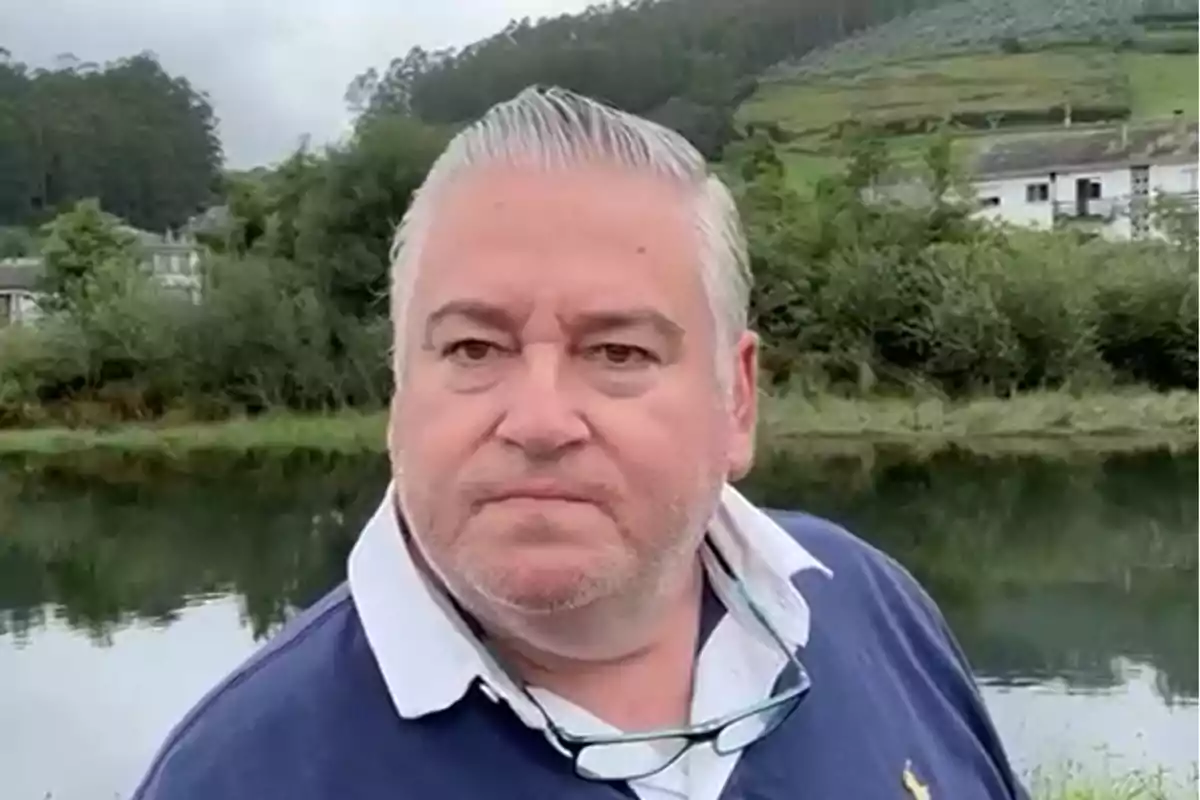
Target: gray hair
column 556, row 128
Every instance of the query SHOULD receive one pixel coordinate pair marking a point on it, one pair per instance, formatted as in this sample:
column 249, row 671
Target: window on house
column 1094, row 190
column 989, row 202
column 1037, row 192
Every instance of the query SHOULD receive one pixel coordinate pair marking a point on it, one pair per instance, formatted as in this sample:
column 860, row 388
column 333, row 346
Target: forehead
column 570, row 236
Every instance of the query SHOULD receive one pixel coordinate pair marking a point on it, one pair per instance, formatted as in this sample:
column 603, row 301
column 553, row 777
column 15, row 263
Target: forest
column 141, row 141
column 687, row 64
column 144, row 143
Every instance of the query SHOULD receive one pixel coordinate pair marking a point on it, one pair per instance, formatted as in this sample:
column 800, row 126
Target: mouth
column 537, row 497
column 536, row 493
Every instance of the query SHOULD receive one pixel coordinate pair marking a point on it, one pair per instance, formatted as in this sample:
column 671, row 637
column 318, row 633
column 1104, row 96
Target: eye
column 622, row 356
column 470, row 351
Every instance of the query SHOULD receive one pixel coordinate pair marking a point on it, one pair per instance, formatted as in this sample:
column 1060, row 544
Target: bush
column 16, row 243
column 265, row 338
column 851, row 297
column 1146, row 303
column 871, row 296
column 293, row 301
column 261, row 339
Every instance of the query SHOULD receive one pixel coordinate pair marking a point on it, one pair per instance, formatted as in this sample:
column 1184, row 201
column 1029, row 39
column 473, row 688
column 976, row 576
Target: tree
column 77, row 246
column 140, row 140
column 690, row 61
column 333, row 212
column 347, row 214
column 16, row 243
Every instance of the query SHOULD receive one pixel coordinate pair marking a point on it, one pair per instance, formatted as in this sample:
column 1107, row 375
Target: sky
column 274, row 70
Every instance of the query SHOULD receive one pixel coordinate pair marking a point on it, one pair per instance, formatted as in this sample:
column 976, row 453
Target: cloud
column 274, row 71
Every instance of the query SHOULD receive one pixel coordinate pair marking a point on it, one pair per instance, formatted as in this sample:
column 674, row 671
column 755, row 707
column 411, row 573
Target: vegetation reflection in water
column 996, row 541
column 1045, row 568
column 1049, row 570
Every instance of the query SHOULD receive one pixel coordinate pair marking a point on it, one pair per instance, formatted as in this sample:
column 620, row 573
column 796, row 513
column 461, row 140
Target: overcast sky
column 274, row 70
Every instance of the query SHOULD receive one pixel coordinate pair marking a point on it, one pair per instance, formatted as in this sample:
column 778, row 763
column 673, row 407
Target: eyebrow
column 593, row 322
column 481, row 313
column 496, row 317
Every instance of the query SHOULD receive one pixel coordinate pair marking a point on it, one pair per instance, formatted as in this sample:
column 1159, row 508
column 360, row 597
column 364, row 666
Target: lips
column 537, row 490
column 539, row 493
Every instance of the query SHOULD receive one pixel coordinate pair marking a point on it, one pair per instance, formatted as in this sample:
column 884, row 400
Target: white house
column 1104, row 179
column 173, row 261
column 18, row 290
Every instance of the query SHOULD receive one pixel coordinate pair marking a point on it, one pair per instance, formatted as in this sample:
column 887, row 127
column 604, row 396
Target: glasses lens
column 626, row 760
column 743, row 732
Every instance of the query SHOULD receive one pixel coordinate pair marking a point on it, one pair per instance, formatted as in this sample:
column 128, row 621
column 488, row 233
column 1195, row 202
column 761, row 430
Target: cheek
column 431, row 438
column 676, row 449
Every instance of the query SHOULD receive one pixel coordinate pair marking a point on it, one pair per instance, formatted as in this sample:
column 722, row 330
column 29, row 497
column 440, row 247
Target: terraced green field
column 988, row 66
column 970, row 26
column 904, row 94
column 983, row 92
column 1159, row 83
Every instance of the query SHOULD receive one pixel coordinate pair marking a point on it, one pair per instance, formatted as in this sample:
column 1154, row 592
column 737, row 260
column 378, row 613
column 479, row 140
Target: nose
column 541, row 416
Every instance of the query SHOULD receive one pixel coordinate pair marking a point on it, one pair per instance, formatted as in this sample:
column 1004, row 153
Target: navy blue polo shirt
column 892, row 712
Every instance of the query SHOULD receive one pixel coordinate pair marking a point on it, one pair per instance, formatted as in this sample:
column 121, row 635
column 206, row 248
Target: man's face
column 559, row 435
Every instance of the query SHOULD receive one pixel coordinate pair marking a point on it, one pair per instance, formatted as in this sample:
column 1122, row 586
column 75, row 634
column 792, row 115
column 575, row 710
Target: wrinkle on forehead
column 503, row 231
column 604, row 201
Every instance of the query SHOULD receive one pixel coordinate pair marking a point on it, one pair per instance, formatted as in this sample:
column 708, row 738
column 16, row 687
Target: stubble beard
column 601, row 608
column 607, row 613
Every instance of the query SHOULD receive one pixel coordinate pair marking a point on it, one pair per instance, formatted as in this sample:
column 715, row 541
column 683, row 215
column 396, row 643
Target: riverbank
column 1072, row 782
column 1036, row 424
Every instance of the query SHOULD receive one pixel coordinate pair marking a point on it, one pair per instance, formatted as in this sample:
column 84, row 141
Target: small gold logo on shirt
column 916, row 789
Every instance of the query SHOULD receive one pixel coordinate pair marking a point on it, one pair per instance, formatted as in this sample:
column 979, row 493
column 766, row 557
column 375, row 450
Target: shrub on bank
column 856, row 296
column 990, row 316
column 261, row 339
column 851, row 297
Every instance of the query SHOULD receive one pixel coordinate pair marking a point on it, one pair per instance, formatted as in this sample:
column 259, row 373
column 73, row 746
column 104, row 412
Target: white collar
column 428, row 657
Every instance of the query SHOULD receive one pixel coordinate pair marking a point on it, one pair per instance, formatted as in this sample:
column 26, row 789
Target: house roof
column 1164, row 143
column 18, row 277
column 210, row 220
column 161, row 242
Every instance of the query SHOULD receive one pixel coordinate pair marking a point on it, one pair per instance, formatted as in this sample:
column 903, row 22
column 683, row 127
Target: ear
column 743, row 406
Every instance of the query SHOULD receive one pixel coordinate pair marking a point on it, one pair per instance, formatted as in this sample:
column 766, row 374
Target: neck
column 642, row 682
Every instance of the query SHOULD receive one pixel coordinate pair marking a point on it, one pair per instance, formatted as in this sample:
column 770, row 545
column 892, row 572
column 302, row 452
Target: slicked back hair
column 553, row 128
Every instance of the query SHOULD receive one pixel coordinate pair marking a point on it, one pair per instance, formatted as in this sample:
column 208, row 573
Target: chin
column 543, row 586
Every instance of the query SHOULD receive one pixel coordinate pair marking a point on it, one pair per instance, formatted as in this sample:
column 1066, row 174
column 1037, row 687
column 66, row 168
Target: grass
column 805, row 169
column 1161, row 82
column 806, row 163
column 1034, row 423
column 1041, row 414
column 932, row 87
column 342, row 432
column 1075, row 783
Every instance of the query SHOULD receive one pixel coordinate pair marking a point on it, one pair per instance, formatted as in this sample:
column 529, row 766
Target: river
column 129, row 585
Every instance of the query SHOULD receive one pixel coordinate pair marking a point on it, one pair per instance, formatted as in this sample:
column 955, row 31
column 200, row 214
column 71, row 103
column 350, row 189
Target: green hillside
column 974, row 25
column 1122, row 65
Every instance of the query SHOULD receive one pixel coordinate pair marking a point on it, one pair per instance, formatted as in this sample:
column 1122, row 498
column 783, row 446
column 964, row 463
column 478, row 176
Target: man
column 561, row 595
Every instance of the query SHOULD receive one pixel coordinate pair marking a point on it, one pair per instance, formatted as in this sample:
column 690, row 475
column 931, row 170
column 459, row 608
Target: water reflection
column 132, row 540
column 128, row 586
column 1046, row 569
